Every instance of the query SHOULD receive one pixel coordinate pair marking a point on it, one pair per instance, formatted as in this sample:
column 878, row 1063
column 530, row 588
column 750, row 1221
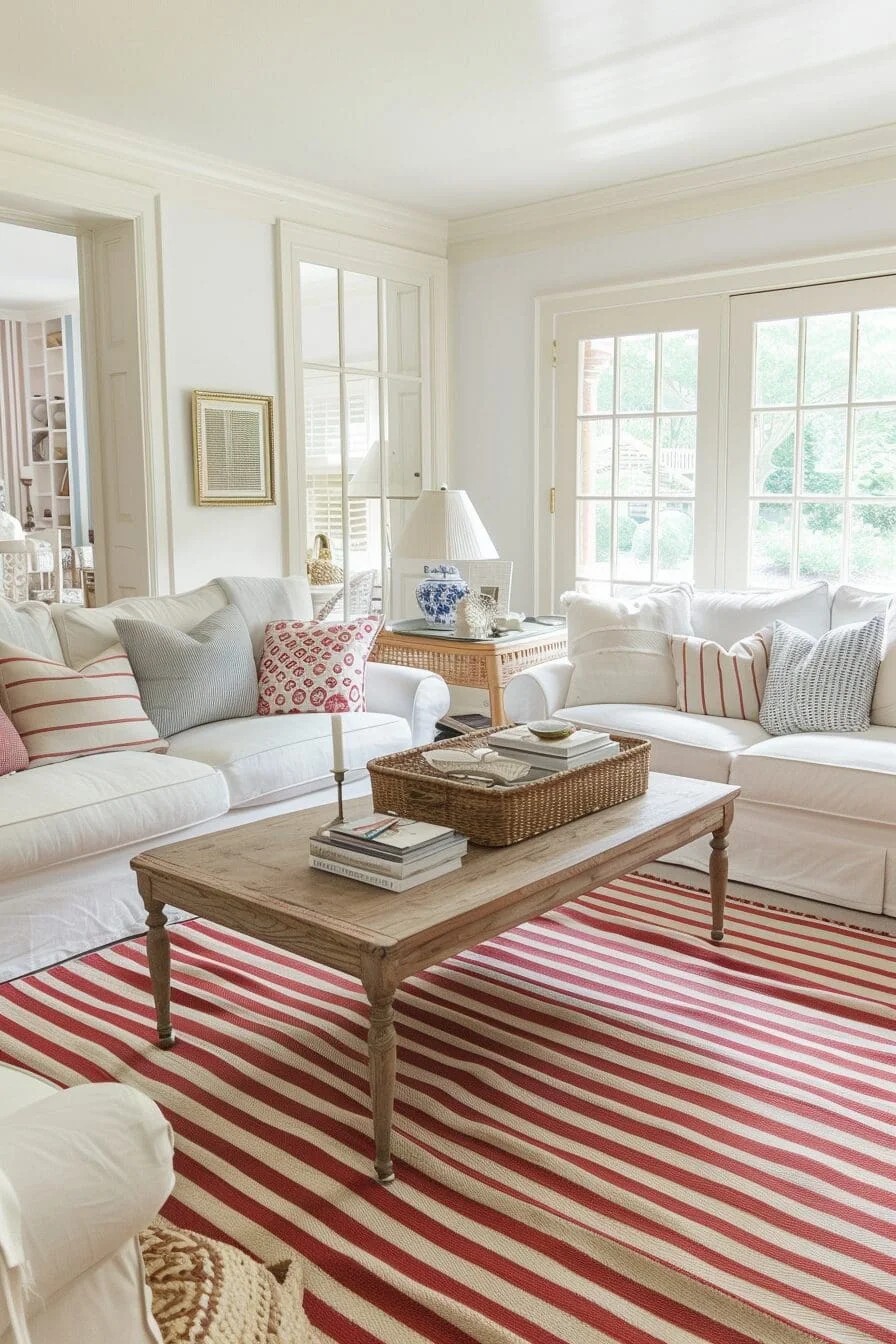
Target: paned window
column 636, row 458
column 821, row 487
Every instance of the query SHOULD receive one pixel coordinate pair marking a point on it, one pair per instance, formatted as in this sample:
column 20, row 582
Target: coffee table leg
column 718, row 875
column 158, row 952
column 381, row 1042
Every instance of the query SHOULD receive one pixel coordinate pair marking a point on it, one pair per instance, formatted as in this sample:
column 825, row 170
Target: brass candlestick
column 339, row 776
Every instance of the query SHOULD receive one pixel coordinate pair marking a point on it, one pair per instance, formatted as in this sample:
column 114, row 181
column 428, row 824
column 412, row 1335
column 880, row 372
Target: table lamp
column 443, row 524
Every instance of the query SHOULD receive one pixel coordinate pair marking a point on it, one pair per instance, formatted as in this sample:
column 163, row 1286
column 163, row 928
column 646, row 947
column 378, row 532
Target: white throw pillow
column 883, row 706
column 619, row 648
column 727, row 617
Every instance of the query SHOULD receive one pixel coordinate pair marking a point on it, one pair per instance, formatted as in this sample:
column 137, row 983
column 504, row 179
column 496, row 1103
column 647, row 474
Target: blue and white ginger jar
column 439, row 593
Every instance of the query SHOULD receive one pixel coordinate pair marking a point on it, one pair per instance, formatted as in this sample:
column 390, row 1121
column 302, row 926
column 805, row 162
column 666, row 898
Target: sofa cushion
column 727, row 617
column 62, row 712
column 86, row 632
column 268, row 758
column 264, row 600
column 620, row 646
column 841, row 774
column 696, row 745
column 824, row 685
column 883, row 706
column 29, row 625
column 188, row 677
column 851, row 605
column 98, row 803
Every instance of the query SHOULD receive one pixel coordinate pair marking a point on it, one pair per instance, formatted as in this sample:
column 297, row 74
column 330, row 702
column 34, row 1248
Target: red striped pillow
column 61, row 712
column 13, row 755
column 728, row 683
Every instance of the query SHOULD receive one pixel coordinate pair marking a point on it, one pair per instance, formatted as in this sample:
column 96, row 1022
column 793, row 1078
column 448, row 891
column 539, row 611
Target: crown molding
column 46, row 133
column 819, row 165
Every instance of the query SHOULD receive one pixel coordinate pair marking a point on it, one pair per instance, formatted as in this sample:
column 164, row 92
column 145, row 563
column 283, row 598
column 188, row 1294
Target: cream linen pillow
column 726, row 683
column 619, row 647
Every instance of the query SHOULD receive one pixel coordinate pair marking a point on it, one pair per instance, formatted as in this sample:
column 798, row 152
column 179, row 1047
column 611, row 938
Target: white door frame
column 51, row 195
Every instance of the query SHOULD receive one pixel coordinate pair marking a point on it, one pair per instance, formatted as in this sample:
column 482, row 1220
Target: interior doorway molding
column 62, row 198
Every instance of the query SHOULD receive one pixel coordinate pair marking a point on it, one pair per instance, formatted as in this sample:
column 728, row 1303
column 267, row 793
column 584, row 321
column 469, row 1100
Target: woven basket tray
column 405, row 784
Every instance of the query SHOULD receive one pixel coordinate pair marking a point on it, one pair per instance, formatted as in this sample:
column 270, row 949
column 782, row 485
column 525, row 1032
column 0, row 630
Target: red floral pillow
column 314, row 667
column 13, row 753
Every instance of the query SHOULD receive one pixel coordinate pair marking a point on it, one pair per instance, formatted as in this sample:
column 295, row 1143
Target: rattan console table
column 482, row 664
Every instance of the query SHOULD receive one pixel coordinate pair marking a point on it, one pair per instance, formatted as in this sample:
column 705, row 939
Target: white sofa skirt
column 852, row 864
column 62, row 912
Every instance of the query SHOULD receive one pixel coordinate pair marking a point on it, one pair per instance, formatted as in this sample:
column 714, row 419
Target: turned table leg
column 158, row 952
column 381, row 1041
column 718, row 874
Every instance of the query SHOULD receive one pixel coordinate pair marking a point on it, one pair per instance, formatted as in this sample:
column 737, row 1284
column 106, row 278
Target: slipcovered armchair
column 82, row 1171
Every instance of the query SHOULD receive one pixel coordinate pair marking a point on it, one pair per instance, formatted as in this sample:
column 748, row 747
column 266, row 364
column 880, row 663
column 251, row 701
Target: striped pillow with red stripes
column 726, row 683
column 61, row 712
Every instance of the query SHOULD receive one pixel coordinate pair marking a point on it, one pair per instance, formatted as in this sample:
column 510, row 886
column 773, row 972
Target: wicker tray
column 405, row 784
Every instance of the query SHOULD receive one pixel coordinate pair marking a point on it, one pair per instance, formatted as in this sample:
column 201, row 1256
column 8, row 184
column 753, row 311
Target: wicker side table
column 481, row 664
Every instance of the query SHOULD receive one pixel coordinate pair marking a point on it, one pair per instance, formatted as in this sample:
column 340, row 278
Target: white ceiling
column 463, row 106
column 37, row 268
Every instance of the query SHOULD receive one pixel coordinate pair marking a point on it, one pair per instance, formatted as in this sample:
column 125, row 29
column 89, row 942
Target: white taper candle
column 338, row 759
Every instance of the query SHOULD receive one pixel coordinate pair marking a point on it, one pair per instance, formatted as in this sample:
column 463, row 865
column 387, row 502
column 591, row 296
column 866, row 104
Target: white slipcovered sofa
column 69, row 830
column 82, row 1172
column 817, row 812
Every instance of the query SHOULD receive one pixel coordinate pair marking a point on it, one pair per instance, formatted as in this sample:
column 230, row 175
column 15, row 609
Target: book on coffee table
column 521, row 738
column 394, row 853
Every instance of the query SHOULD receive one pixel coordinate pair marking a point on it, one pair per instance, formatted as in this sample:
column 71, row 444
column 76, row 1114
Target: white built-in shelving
column 50, row 453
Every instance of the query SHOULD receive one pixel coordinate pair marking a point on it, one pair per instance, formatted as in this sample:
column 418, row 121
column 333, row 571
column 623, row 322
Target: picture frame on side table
column 233, row 449
column 491, row 577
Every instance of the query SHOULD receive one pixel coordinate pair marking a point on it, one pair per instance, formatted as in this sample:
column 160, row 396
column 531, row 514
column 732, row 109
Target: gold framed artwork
column 233, row 449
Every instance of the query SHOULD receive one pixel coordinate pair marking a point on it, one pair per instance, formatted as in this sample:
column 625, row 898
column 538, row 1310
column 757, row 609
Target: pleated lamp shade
column 443, row 525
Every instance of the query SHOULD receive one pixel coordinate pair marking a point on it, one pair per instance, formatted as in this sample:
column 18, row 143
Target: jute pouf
column 206, row 1291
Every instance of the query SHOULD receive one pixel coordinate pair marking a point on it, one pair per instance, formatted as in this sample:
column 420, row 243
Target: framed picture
column 491, row 577
column 233, row 448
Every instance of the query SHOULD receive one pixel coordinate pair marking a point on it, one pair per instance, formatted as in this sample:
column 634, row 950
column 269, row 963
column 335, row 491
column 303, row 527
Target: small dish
column 550, row 730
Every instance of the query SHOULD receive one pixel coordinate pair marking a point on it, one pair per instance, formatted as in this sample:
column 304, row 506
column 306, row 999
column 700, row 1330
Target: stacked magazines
column 394, row 853
column 583, row 747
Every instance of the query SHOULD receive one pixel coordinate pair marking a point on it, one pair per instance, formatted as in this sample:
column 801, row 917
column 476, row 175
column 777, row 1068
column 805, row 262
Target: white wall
column 493, row 329
column 221, row 332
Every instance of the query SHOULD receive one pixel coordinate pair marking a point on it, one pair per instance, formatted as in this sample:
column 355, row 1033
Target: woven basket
column 405, row 784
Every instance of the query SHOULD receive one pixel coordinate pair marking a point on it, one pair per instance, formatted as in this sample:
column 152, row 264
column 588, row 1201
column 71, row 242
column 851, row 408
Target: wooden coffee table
column 255, row 879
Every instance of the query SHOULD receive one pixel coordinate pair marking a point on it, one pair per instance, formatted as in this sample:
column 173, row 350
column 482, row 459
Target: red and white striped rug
column 606, row 1128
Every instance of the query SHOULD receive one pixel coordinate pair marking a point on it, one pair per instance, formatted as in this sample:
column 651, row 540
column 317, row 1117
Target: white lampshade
column 443, row 525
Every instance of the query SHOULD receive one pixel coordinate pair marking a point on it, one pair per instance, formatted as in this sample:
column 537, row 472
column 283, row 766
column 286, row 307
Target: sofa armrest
column 539, row 692
column 419, row 697
column 86, row 1169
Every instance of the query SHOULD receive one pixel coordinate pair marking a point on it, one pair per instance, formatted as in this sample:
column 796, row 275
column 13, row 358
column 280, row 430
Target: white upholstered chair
column 82, row 1171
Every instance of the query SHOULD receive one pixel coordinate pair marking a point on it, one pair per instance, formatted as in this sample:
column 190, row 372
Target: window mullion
column 344, row 429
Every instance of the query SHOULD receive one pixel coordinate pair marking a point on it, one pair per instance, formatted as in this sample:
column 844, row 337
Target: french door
column 635, row 467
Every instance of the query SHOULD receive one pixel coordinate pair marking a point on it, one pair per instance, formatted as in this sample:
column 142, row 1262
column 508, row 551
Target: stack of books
column 583, row 747
column 394, row 853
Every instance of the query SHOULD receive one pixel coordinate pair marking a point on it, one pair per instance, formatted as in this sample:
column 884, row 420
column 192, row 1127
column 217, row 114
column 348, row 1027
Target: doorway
column 44, row 458
column 103, row 385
